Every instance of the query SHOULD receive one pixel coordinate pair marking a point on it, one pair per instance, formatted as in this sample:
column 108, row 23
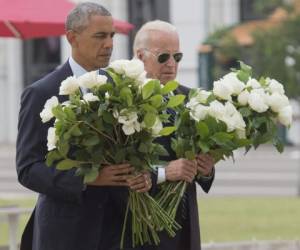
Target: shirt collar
column 77, row 69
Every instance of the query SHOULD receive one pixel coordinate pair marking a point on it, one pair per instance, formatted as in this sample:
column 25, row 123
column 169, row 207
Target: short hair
column 78, row 18
column 142, row 35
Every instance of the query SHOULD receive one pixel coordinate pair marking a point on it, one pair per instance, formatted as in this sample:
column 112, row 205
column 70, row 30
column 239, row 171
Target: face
column 161, row 43
column 92, row 47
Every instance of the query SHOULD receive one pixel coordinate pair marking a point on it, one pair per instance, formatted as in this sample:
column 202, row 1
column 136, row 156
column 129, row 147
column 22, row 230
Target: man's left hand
column 140, row 183
column 205, row 164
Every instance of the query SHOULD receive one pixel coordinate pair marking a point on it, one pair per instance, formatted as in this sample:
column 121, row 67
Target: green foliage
column 274, row 52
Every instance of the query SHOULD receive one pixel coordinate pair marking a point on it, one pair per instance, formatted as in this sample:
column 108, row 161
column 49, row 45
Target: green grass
column 22, row 221
column 243, row 219
column 225, row 219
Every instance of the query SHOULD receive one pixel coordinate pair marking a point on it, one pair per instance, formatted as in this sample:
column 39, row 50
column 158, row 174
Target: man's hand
column 205, row 164
column 181, row 169
column 113, row 175
column 140, row 183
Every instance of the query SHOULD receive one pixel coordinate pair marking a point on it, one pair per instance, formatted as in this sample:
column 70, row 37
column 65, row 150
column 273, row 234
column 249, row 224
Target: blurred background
column 256, row 197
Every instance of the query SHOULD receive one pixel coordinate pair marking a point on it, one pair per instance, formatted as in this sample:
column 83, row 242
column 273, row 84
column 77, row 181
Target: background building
column 22, row 62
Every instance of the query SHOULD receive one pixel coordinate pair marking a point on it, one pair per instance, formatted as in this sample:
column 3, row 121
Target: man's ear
column 140, row 55
column 71, row 37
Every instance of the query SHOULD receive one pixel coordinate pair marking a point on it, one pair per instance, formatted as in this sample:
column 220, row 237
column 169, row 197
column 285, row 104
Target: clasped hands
column 186, row 170
column 123, row 175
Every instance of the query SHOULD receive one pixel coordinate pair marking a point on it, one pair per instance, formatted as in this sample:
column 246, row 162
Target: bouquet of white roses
column 239, row 112
column 114, row 123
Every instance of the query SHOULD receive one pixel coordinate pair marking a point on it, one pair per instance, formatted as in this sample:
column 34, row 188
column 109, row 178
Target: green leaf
column 70, row 115
column 52, row 156
column 190, row 155
column 90, row 175
column 135, row 161
column 116, row 78
column 156, row 100
column 126, row 95
column 67, row 164
column 91, row 141
column 108, row 117
column 278, row 144
column 148, row 108
column 176, row 100
column 222, row 138
column 160, row 150
column 143, row 148
column 120, row 156
column 167, row 131
column 63, row 147
column 169, row 87
column 148, row 89
column 202, row 129
column 58, row 113
column 150, row 119
column 203, row 146
column 245, row 112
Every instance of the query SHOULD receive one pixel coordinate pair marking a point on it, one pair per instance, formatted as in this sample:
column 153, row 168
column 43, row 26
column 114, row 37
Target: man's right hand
column 113, row 175
column 181, row 169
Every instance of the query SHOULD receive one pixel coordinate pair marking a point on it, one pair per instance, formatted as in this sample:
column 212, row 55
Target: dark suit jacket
column 188, row 238
column 65, row 216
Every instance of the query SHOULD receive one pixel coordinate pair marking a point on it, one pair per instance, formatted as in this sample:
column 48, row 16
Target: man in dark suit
column 69, row 215
column 157, row 45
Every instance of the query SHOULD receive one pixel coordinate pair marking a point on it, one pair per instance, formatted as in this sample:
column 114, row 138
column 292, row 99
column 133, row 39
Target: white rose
column 157, row 127
column 192, row 103
column 199, row 112
column 118, row 66
column 253, row 83
column 47, row 113
column 275, row 87
column 142, row 79
column 243, row 97
column 91, row 79
column 134, row 68
column 90, row 97
column 216, row 110
column 285, row 115
column 277, row 101
column 51, row 139
column 231, row 80
column 257, row 101
column 68, row 86
column 230, row 109
column 233, row 118
column 129, row 121
column 130, row 128
column 201, row 96
column 222, row 90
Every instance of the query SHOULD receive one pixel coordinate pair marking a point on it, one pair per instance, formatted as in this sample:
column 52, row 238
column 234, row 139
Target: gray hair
column 78, row 18
column 143, row 33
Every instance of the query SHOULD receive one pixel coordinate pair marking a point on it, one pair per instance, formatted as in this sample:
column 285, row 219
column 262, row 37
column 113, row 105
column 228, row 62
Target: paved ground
column 262, row 172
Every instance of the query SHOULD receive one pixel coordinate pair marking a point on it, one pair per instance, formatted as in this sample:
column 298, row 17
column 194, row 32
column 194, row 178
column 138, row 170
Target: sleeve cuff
column 161, row 174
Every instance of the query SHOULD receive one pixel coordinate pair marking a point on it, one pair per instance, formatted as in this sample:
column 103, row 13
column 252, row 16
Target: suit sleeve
column 32, row 171
column 206, row 182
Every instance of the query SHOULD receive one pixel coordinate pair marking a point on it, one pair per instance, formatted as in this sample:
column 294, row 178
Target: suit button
column 100, row 205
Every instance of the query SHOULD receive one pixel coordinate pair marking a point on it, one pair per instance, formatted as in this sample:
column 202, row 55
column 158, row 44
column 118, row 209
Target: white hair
column 143, row 33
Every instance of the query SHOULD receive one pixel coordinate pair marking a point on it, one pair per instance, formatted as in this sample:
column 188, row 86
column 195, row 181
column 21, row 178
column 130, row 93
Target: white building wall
column 195, row 19
column 11, row 76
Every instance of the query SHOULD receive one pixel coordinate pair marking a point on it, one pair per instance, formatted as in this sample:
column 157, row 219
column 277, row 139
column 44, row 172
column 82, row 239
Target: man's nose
column 171, row 62
column 108, row 42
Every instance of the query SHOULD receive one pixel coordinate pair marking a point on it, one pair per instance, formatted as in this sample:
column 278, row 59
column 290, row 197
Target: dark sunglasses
column 164, row 57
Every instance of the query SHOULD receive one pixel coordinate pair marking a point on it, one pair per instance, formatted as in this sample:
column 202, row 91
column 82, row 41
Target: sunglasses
column 164, row 57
